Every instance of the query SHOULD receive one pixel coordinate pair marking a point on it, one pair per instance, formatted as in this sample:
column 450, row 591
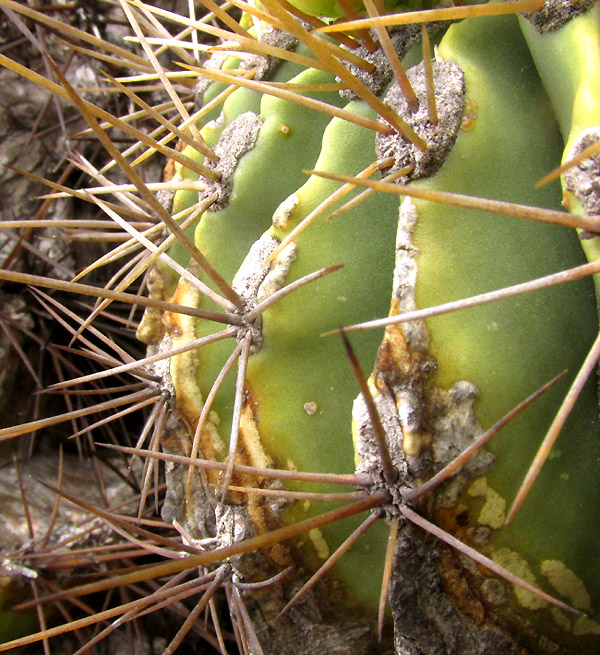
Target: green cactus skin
column 490, row 346
column 573, row 85
column 269, row 109
column 288, row 139
column 293, row 326
column 332, row 9
column 329, row 8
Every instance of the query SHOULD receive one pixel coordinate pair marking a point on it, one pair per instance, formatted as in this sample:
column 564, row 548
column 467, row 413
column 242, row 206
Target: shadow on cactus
column 334, row 178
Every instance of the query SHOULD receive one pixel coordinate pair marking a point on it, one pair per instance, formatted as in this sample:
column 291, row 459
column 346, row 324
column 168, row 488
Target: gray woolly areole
column 214, row 62
column 265, row 66
column 236, row 140
column 584, row 179
column 402, row 38
column 556, row 13
column 255, row 281
column 449, row 85
column 165, row 198
column 411, row 404
column 248, row 280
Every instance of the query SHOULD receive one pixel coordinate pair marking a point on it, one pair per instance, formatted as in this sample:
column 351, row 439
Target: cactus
column 332, row 188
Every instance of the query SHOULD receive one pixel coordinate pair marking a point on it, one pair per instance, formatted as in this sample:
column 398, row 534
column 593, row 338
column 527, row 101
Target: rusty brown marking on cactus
column 251, row 452
column 394, row 358
column 151, row 328
column 456, row 585
column 397, row 363
column 453, row 572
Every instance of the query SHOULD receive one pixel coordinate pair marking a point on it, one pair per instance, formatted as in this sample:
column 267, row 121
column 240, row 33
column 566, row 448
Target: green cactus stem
column 287, row 391
column 572, row 84
column 453, row 246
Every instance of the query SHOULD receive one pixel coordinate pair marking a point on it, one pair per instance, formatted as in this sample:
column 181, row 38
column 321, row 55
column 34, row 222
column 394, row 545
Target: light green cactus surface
column 299, row 386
